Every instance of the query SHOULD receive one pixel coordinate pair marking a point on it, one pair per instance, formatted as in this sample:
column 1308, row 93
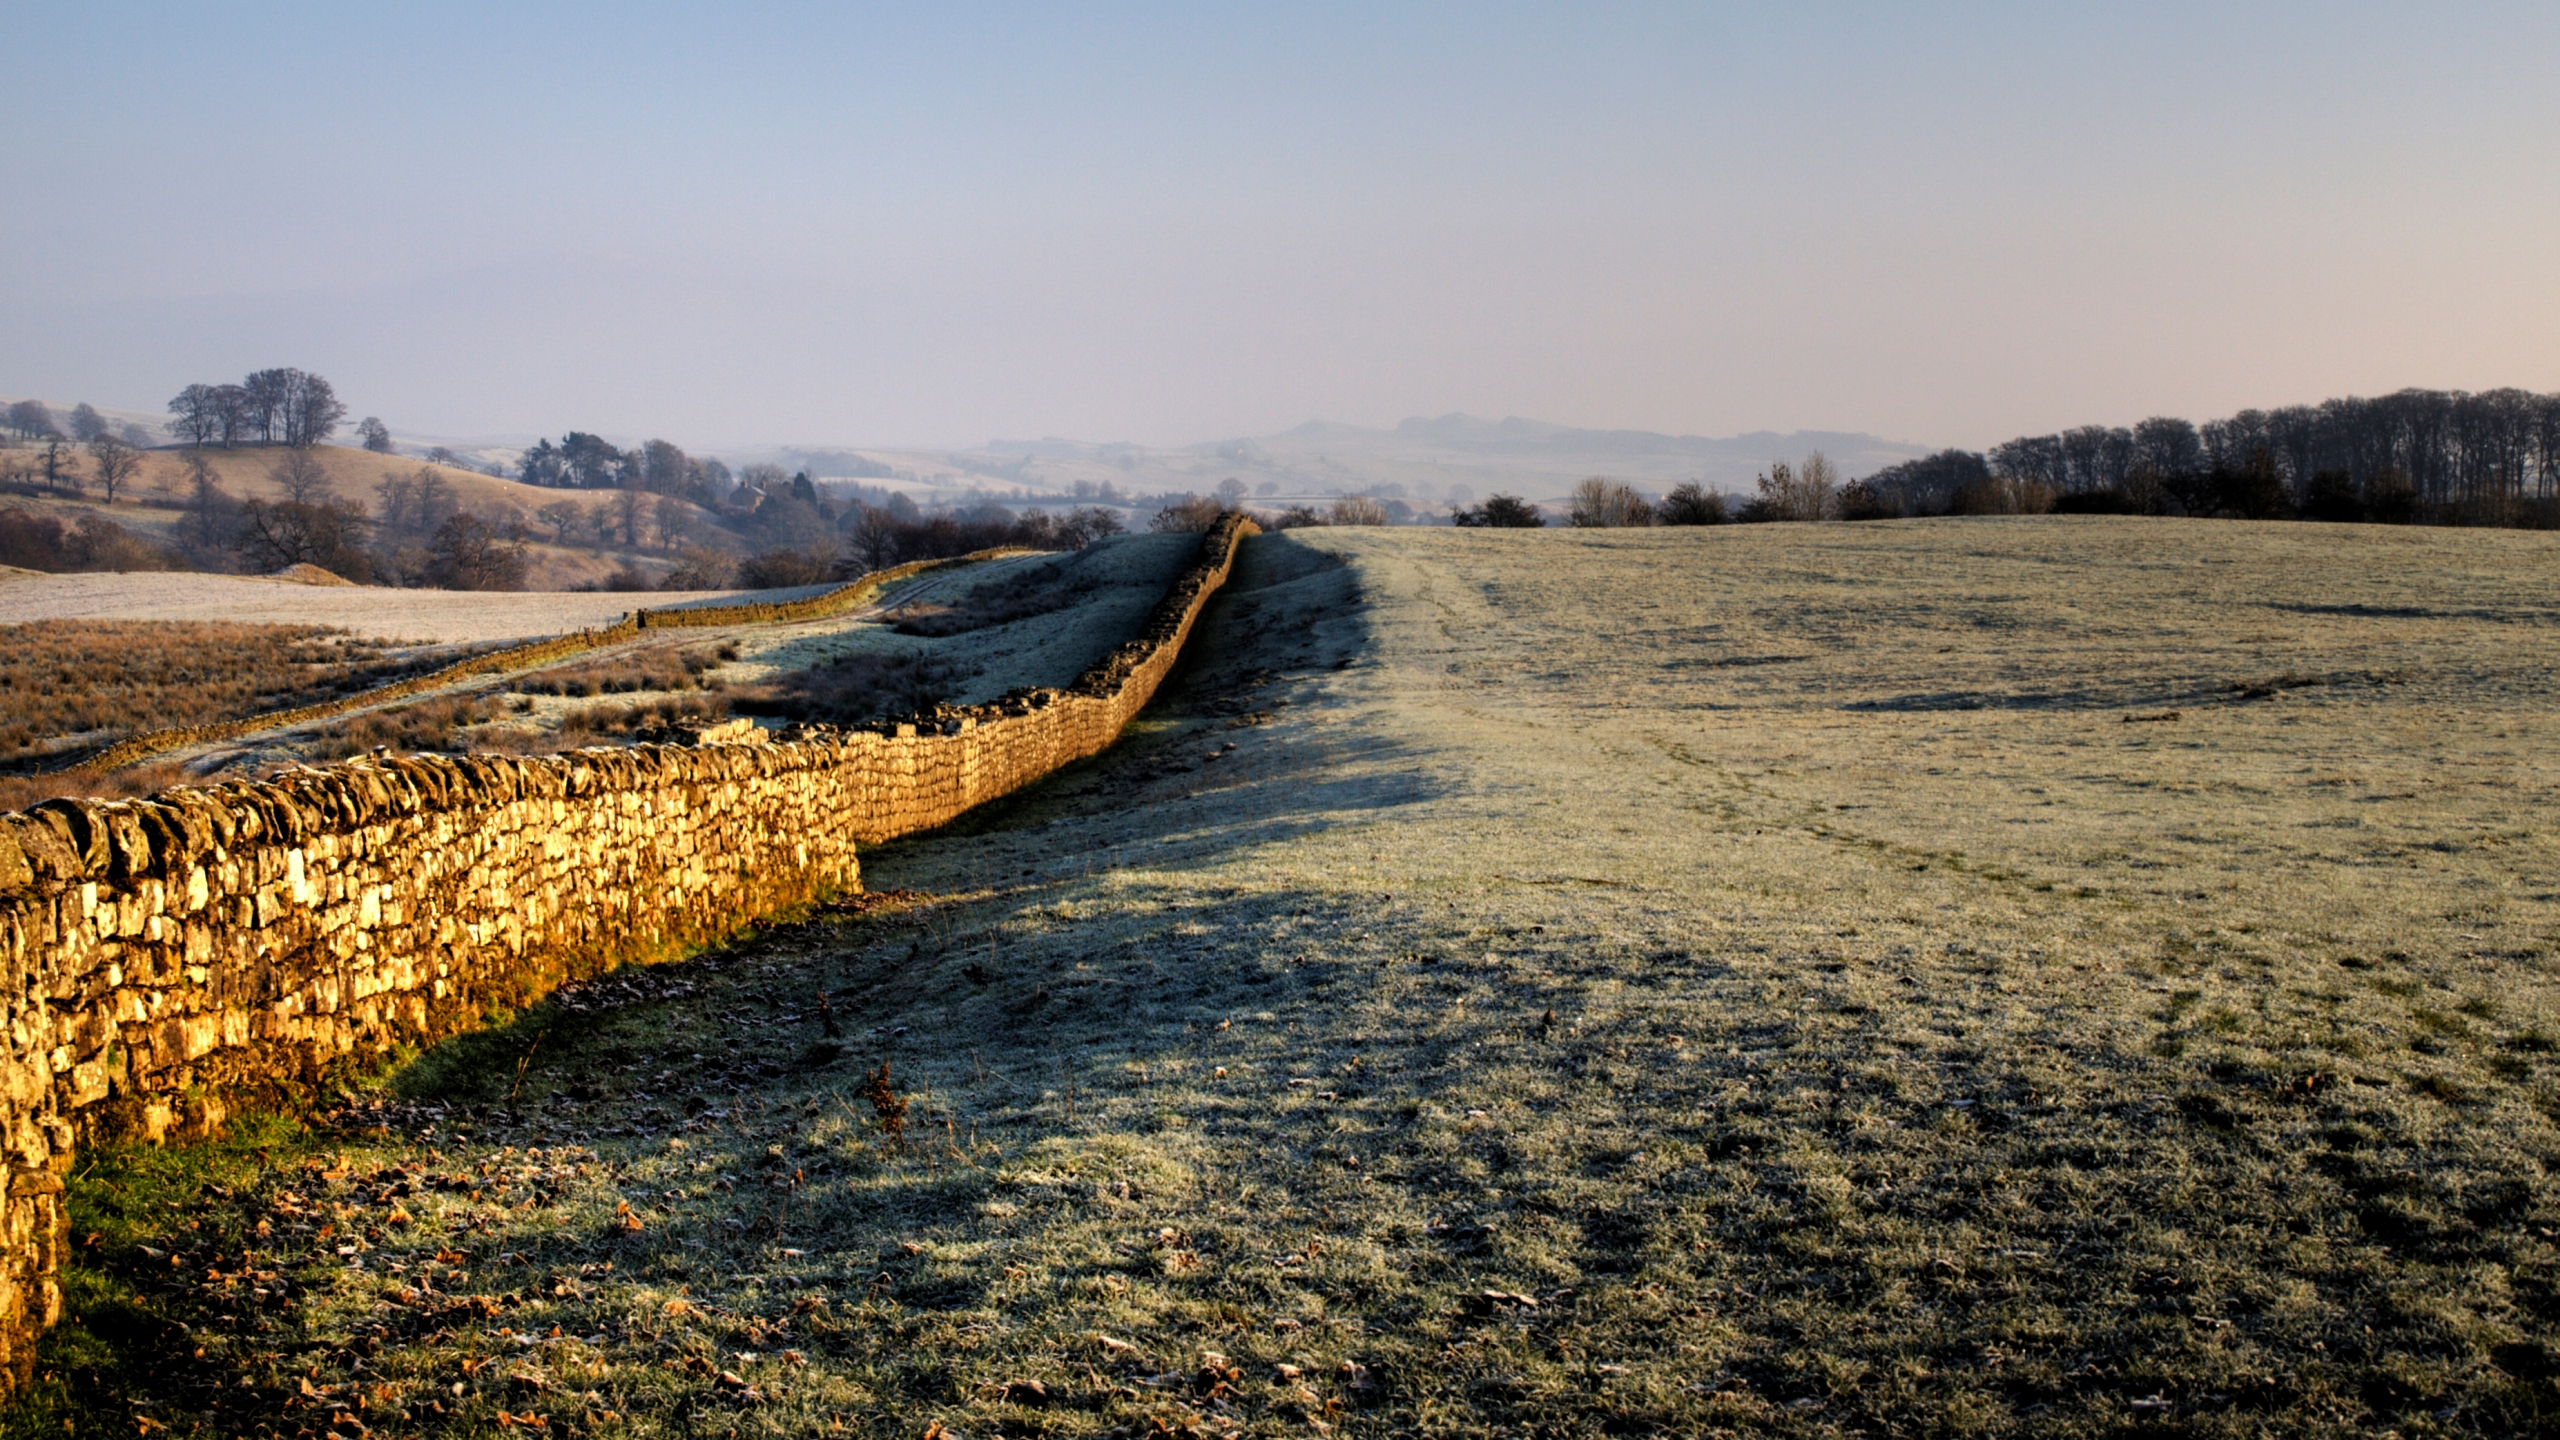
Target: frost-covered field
column 1992, row 977
column 443, row 617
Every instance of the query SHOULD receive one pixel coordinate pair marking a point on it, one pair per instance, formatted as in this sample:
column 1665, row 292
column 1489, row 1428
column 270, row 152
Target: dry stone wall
column 163, row 961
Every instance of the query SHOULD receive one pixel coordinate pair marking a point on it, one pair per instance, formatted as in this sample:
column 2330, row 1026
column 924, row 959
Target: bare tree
column 86, row 423
column 301, row 475
column 1602, row 503
column 234, row 411
column 875, row 538
column 59, row 472
column 208, row 523
column 1788, row 494
column 328, row 534
column 1355, row 510
column 199, row 416
column 627, row 505
column 1820, row 484
column 670, row 518
column 563, row 516
column 311, row 410
column 263, row 397
column 116, row 462
column 375, row 435
column 1231, row 493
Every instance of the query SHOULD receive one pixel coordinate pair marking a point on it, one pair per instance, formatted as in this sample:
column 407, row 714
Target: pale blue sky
column 831, row 223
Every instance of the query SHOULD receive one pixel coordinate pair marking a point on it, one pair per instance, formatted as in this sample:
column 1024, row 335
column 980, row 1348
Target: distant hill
column 1423, row 459
column 152, row 504
column 1547, row 458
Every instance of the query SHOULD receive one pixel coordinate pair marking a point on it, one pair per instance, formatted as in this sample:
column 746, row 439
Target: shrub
column 1691, row 503
column 2389, row 498
column 468, row 555
column 783, row 568
column 2331, row 495
column 40, row 542
column 2095, row 502
column 629, row 673
column 700, row 570
column 1192, row 515
column 422, row 725
column 2004, row 495
column 2253, row 489
column 1501, row 512
column 1862, row 500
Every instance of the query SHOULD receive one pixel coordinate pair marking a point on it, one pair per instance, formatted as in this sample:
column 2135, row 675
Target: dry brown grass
column 853, row 688
column 17, row 792
column 97, row 680
column 689, row 668
column 1020, row 594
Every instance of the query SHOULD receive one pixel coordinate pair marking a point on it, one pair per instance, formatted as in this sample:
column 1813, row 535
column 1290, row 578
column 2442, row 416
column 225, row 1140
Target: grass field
column 2051, row 976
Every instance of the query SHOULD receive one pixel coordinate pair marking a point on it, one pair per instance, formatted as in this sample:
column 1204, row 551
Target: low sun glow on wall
column 248, row 942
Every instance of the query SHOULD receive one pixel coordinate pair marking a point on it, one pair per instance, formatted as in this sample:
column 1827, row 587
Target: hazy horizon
column 1170, row 226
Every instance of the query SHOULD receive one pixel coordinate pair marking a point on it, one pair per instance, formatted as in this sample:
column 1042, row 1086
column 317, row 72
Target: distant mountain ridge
column 1428, row 454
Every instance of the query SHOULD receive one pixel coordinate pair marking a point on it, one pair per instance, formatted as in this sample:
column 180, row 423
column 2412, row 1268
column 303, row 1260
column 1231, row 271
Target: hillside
column 1789, row 979
column 152, row 503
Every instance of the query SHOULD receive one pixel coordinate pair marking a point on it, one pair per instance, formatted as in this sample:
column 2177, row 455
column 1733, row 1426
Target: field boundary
column 251, row 943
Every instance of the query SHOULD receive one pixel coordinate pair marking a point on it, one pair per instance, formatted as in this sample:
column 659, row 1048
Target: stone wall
column 166, row 960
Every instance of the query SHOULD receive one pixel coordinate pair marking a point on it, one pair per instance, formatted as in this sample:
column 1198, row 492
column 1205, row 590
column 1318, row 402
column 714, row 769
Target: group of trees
column 657, row 467
column 293, row 407
column 32, row 420
column 112, row 463
column 2434, row 456
column 418, row 534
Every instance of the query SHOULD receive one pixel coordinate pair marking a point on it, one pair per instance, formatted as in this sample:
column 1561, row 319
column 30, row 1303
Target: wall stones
column 165, row 960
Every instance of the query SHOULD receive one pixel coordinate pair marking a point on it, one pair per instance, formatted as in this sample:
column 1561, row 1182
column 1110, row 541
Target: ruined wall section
column 164, row 959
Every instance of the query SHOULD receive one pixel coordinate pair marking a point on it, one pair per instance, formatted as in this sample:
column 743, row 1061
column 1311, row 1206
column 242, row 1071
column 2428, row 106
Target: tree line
column 32, row 420
column 2443, row 457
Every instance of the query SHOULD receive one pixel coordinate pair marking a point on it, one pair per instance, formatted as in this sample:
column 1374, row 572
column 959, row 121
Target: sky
column 932, row 225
